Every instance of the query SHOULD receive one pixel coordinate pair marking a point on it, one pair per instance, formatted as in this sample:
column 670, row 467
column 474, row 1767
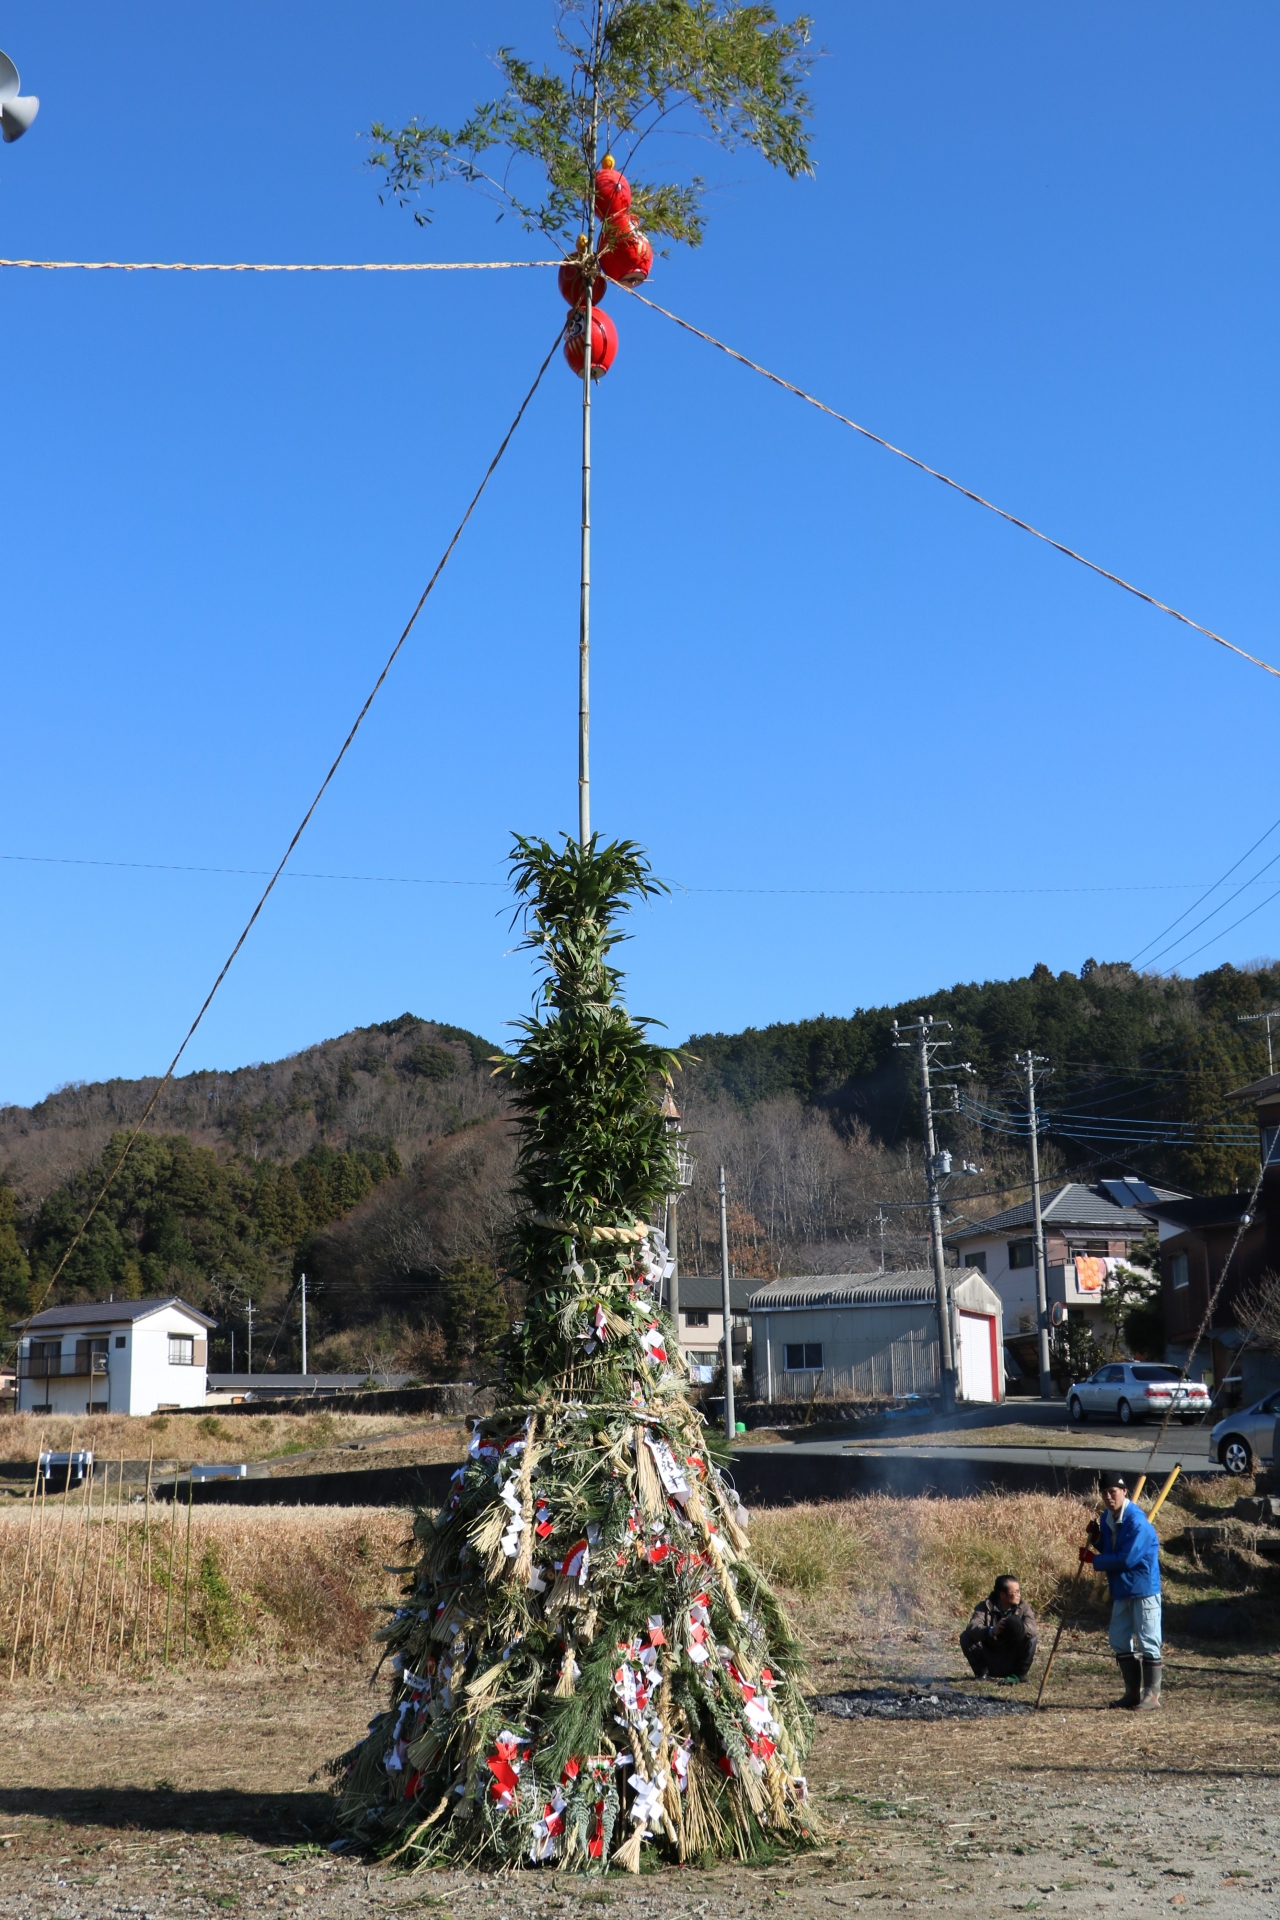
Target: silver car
column 1245, row 1439
column 1135, row 1389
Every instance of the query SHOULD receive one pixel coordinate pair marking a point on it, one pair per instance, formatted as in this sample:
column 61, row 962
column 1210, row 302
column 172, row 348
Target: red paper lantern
column 627, row 256
column 573, row 284
column 613, row 191
column 604, row 341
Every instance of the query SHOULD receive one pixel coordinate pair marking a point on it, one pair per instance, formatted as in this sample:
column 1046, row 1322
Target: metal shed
column 868, row 1336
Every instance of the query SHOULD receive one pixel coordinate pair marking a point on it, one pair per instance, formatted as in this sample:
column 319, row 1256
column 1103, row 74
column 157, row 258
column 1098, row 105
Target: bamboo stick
column 186, row 1585
column 1164, row 1492
column 148, row 1549
column 35, row 1603
column 46, row 1636
column 1066, row 1615
column 97, row 1578
column 124, row 1577
column 115, row 1548
column 79, row 1562
column 26, row 1563
column 173, row 1523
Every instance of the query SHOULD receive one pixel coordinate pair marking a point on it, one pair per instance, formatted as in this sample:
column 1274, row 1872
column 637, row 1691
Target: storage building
column 860, row 1336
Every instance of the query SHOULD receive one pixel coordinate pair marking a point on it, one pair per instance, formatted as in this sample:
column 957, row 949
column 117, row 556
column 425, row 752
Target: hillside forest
column 379, row 1163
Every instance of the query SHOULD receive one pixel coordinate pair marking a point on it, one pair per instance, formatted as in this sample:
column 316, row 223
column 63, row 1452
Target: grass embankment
column 217, row 1436
column 272, row 1587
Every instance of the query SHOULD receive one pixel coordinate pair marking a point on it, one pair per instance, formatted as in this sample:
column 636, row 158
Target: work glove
column 1086, row 1556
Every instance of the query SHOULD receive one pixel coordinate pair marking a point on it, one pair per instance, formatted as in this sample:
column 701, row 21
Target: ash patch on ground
column 934, row 1702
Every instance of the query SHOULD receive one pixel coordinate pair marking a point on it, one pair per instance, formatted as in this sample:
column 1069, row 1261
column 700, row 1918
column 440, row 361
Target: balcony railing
column 62, row 1366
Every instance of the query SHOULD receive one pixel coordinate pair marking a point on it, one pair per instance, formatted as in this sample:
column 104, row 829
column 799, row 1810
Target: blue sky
column 1039, row 252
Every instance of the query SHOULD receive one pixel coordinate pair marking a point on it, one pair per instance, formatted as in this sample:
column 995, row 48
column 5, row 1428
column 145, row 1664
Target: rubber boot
column 1131, row 1673
column 1154, row 1673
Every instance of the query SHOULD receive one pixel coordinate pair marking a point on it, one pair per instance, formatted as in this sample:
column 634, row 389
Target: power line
column 419, row 880
column 1214, row 911
column 1204, row 896
column 252, row 266
column 1222, row 932
column 443, row 561
column 957, row 486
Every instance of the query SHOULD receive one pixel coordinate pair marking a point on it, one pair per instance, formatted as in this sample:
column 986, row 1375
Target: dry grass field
column 215, row 1436
column 185, row 1789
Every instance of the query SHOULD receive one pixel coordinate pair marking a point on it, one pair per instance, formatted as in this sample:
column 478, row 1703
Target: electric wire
column 418, row 880
column 1212, row 915
column 1221, row 934
column 1206, row 895
column 107, row 1184
column 255, row 266
column 957, row 486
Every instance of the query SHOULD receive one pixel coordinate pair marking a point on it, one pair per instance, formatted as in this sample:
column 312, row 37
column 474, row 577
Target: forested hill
column 1117, row 1043
column 398, row 1085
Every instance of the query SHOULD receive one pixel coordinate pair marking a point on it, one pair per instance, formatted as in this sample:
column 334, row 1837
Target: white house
column 1087, row 1231
column 871, row 1336
column 702, row 1322
column 113, row 1356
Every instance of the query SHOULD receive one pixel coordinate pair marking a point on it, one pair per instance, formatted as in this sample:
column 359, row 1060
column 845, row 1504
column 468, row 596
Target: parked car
column 1134, row 1389
column 1246, row 1438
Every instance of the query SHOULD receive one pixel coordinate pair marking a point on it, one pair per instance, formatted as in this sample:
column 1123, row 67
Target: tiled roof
column 108, row 1312
column 914, row 1289
column 1071, row 1206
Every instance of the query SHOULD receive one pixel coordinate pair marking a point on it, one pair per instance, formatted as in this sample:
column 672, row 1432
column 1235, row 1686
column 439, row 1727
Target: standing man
column 1127, row 1549
column 1000, row 1640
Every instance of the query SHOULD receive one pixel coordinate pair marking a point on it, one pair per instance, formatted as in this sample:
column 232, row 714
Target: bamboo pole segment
column 79, row 1563
column 173, row 1523
column 97, row 1578
column 46, row 1634
column 124, row 1575
column 144, row 1562
column 26, row 1562
column 1164, row 1492
column 1141, row 1482
column 186, row 1583
column 35, row 1601
column 111, row 1587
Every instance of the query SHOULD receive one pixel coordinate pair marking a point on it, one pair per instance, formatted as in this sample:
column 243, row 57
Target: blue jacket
column 1129, row 1554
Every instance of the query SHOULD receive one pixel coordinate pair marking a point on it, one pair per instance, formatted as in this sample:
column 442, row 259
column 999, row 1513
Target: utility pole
column 730, row 1413
column 304, row 1326
column 1268, row 1017
column 920, row 1036
column 1029, row 1061
column 248, row 1314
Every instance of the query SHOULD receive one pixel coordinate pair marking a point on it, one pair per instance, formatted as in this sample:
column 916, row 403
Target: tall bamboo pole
column 26, row 1562
column 35, row 1600
column 173, row 1523
column 46, row 1634
column 144, row 1560
column 186, row 1583
column 584, row 590
column 79, row 1563
column 115, row 1548
column 97, row 1577
column 124, row 1577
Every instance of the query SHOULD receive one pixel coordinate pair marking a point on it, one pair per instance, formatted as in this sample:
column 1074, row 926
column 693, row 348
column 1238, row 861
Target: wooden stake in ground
column 26, row 1562
column 46, row 1635
column 115, row 1548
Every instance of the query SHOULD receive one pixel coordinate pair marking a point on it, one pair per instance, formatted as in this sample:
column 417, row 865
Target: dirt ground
column 184, row 1795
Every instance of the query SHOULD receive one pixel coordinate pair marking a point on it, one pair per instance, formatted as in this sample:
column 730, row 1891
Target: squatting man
column 1125, row 1547
column 1000, row 1640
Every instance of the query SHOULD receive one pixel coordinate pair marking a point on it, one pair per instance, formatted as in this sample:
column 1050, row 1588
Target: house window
column 697, row 1317
column 120, row 1340
column 804, row 1356
column 978, row 1260
column 182, row 1350
column 1178, row 1270
column 1022, row 1253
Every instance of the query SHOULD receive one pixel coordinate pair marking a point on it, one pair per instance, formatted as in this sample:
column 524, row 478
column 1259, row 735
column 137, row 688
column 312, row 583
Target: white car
column 1135, row 1389
column 1246, row 1438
